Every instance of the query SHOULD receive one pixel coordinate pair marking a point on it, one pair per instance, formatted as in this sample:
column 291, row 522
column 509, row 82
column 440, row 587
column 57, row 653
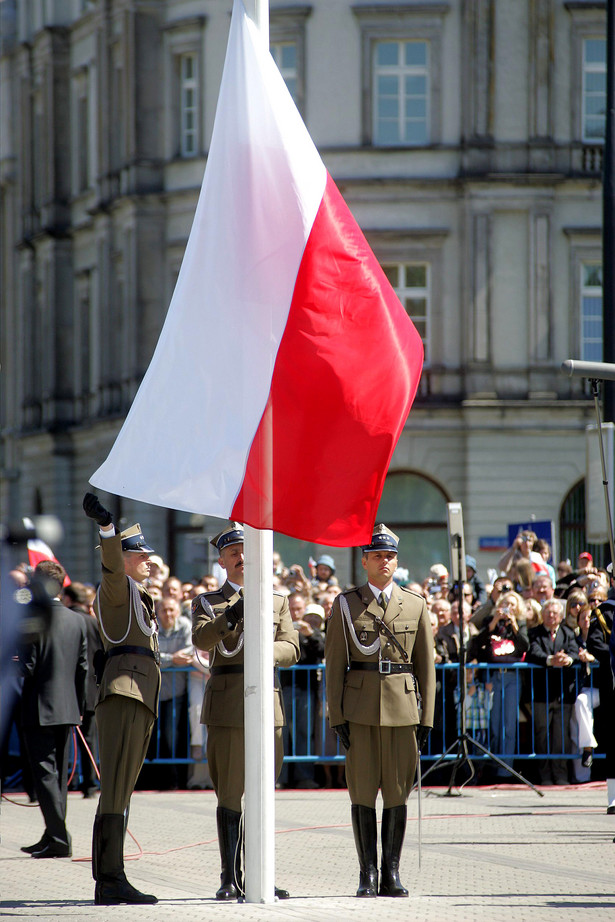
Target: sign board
column 493, row 543
column 596, row 523
column 544, row 529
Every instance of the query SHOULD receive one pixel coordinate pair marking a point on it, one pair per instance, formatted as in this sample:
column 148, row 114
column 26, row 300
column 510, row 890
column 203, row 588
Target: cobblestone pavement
column 489, row 854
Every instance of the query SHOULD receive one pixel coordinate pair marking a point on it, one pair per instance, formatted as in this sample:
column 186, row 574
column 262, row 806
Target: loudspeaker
column 456, row 543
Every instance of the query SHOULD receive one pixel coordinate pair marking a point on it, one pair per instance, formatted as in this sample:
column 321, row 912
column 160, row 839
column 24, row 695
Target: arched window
column 414, row 507
column 572, row 529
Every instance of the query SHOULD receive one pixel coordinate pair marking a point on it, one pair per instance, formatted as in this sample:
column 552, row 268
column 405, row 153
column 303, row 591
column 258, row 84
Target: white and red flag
column 38, row 550
column 286, row 366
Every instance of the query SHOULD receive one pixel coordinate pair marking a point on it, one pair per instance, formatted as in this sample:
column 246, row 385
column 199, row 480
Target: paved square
column 492, row 854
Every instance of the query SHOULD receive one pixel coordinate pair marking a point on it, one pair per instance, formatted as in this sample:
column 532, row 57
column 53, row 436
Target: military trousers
column 380, row 758
column 124, row 729
column 225, row 759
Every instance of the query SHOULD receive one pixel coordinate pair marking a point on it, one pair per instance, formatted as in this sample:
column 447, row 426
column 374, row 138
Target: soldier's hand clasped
column 342, row 731
column 234, row 614
column 422, row 735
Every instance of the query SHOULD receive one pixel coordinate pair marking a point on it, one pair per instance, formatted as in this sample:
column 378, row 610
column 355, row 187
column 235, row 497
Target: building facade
column 466, row 137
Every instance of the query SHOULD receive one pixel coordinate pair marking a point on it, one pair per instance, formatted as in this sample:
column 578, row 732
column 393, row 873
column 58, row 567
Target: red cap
column 586, row 556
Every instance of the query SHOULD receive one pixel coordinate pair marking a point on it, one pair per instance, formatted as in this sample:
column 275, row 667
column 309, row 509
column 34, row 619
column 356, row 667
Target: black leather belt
column 236, row 670
column 127, row 648
column 385, row 667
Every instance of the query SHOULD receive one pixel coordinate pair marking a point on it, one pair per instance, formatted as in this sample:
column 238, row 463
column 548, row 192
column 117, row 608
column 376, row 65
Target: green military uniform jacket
column 370, row 697
column 223, row 704
column 128, row 674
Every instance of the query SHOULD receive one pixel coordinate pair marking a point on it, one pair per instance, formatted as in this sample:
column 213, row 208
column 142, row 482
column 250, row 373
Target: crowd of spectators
column 530, row 611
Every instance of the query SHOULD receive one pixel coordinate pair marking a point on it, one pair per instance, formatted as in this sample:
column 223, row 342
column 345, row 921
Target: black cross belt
column 383, row 628
column 385, row 667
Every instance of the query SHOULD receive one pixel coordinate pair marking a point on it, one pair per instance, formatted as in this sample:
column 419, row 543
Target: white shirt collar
column 235, row 586
column 377, row 592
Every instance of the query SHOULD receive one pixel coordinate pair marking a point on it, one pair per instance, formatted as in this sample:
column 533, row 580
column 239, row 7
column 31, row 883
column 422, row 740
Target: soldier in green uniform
column 127, row 703
column 217, row 626
column 379, row 658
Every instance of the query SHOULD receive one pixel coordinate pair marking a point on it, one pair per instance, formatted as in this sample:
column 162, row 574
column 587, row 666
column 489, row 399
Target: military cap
column 133, row 540
column 232, row 534
column 383, row 539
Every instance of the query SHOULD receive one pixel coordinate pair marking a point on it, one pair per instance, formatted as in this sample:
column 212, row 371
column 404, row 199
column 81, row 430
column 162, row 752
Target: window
column 182, row 88
column 188, row 90
column 591, row 312
column 285, row 56
column 118, row 111
column 588, row 82
column 287, row 44
column 401, row 93
column 81, row 136
column 411, row 282
column 401, row 72
column 594, row 89
column 414, row 507
column 572, row 536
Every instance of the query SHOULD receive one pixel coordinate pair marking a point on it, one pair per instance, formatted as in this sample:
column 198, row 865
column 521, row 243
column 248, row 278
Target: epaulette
column 201, row 601
column 412, row 592
column 283, row 594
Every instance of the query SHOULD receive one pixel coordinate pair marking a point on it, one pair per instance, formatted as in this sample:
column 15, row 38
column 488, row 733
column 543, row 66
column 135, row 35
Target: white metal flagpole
column 258, row 722
column 258, row 674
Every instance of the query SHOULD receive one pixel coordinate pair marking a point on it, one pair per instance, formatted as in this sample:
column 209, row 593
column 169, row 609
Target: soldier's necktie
column 382, row 601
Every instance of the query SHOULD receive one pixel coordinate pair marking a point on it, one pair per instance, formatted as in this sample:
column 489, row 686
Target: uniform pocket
column 405, row 626
column 211, row 704
column 352, row 693
column 412, row 704
column 137, row 666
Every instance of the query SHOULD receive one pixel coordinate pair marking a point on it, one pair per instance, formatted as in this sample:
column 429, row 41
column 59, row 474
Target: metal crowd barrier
column 309, row 738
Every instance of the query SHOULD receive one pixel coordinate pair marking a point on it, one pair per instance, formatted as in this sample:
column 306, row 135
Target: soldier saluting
column 217, row 626
column 127, row 702
column 378, row 656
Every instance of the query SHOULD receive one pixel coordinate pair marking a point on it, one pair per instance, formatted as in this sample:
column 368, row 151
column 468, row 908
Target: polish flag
column 38, row 550
column 286, row 366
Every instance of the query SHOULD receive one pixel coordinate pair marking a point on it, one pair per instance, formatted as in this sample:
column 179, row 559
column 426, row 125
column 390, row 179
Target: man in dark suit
column 378, row 658
column 79, row 598
column 54, row 666
column 553, row 645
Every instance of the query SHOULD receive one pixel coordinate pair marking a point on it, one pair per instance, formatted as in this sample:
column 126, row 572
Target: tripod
column 460, row 745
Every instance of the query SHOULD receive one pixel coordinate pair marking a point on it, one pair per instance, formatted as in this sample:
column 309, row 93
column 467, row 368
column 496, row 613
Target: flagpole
column 258, row 669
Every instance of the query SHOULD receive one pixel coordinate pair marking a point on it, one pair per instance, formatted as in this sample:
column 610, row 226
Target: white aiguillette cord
column 136, row 606
column 366, row 650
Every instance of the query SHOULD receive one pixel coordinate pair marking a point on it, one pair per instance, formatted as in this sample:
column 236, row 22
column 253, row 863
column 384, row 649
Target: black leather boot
column 230, row 853
column 112, row 887
column 392, row 836
column 366, row 841
column 96, row 847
